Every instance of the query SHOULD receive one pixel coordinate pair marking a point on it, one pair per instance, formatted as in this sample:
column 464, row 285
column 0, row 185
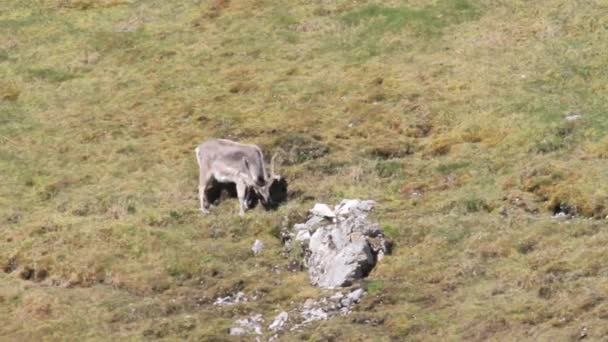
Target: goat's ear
column 246, row 164
column 247, row 168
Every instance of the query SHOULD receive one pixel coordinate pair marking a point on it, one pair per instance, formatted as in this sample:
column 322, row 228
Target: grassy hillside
column 450, row 113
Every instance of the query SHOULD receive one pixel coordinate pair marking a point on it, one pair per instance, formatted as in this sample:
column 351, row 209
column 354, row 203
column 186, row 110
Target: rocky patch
column 236, row 298
column 341, row 245
column 247, row 326
column 339, row 303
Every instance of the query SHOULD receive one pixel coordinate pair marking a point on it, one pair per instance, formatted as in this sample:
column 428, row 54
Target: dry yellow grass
column 451, row 114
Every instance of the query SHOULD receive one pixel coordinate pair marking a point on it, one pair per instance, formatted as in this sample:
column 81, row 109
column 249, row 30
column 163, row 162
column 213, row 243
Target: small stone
column 314, row 220
column 237, row 331
column 322, row 210
column 300, row 226
column 346, row 302
column 317, row 314
column 247, row 326
column 355, row 296
column 240, row 297
column 337, row 296
column 309, row 303
column 583, row 333
column 303, row 235
column 573, row 117
column 348, row 206
column 279, row 321
column 257, row 247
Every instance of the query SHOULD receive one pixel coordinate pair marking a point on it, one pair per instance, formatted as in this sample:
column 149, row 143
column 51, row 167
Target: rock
column 337, row 262
column 348, row 206
column 355, row 296
column 339, row 251
column 322, row 210
column 246, row 326
column 315, row 222
column 325, row 308
column 279, row 321
column 337, row 296
column 236, row 331
column 316, row 314
column 127, row 28
column 300, row 226
column 309, row 303
column 573, row 116
column 257, row 247
column 239, row 297
column 303, row 235
column 346, row 302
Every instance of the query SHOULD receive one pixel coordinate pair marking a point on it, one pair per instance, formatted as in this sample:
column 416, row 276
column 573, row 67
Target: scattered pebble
column 246, row 326
column 279, row 321
column 322, row 210
column 573, row 117
column 236, row 298
column 257, row 247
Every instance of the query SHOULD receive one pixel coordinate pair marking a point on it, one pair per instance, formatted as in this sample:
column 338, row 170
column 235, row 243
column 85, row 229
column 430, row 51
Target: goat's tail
column 198, row 161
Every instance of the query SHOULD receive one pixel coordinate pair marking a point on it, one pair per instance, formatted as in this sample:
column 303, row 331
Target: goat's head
column 271, row 189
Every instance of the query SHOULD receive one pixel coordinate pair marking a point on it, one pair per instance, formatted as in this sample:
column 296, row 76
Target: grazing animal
column 226, row 161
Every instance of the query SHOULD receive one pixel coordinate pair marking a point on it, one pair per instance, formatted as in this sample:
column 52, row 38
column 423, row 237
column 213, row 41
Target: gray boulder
column 341, row 245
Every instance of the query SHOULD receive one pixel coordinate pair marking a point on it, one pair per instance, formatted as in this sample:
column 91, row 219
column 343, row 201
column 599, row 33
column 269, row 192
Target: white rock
column 222, row 301
column 356, row 295
column 314, row 221
column 236, row 331
column 337, row 296
column 573, row 117
column 303, row 235
column 348, row 206
column 346, row 302
column 309, row 303
column 322, row 210
column 300, row 226
column 247, row 326
column 336, row 262
column 279, row 321
column 341, row 251
column 240, row 297
column 257, row 247
column 560, row 216
column 317, row 314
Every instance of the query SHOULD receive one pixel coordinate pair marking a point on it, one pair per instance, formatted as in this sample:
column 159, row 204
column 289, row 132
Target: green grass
column 450, row 114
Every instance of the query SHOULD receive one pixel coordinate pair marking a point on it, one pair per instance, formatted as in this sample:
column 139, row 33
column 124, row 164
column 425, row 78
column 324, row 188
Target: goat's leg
column 204, row 179
column 241, row 189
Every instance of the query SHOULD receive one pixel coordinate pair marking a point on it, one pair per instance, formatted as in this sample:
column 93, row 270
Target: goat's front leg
column 204, row 179
column 241, row 190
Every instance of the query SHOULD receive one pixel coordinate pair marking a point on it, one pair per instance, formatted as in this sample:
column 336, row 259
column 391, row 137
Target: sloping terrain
column 471, row 122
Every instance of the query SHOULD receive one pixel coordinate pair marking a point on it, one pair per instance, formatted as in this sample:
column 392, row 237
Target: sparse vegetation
column 450, row 114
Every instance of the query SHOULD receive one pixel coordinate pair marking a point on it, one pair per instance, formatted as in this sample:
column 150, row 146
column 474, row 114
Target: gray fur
column 228, row 161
